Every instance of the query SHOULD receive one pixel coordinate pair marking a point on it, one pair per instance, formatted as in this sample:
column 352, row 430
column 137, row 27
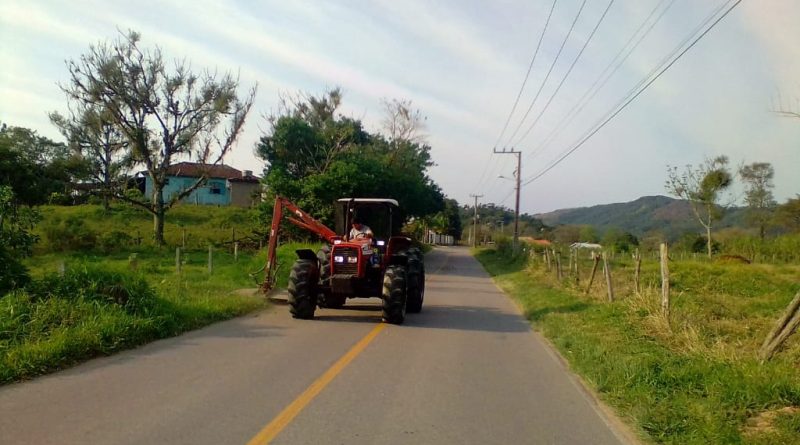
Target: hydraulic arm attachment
column 300, row 219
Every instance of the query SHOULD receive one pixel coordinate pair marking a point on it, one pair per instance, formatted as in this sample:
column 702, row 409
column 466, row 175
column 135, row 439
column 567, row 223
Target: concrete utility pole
column 518, row 177
column 475, row 221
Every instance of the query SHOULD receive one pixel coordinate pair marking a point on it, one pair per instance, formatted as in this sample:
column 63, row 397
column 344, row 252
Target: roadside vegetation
column 694, row 378
column 95, row 288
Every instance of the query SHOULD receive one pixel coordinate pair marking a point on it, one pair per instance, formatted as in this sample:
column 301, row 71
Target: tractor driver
column 359, row 230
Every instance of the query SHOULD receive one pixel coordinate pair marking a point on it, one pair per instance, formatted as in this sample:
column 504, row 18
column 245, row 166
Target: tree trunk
column 158, row 216
column 708, row 234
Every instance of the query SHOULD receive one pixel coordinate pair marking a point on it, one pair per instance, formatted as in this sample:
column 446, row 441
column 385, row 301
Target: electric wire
column 660, row 64
column 604, row 77
column 566, row 75
column 632, row 98
column 549, row 71
column 480, row 182
column 527, row 74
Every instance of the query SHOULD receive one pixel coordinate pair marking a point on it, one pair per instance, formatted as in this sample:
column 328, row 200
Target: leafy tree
column 702, row 187
column 316, row 156
column 566, row 234
column 94, row 138
column 619, row 240
column 34, row 166
column 165, row 115
column 758, row 194
column 788, row 214
column 588, row 234
column 16, row 239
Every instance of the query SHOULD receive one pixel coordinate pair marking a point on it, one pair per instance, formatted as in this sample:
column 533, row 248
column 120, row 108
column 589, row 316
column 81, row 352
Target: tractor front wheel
column 303, row 289
column 394, row 294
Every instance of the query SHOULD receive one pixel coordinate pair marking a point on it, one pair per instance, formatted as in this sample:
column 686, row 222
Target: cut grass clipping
column 693, row 380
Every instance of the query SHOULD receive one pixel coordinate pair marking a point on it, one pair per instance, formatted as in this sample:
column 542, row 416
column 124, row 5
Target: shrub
column 114, row 240
column 129, row 291
column 70, row 233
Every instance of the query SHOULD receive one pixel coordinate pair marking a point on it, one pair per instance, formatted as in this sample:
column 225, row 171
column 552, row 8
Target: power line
column 566, row 75
column 549, row 71
column 525, row 81
column 631, row 99
column 605, row 75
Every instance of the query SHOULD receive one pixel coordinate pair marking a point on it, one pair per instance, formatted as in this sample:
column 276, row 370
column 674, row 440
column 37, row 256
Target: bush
column 13, row 274
column 70, row 233
column 131, row 292
column 114, row 240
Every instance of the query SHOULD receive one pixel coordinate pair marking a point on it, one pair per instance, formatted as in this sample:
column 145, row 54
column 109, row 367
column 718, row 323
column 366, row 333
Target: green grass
column 694, row 380
column 42, row 330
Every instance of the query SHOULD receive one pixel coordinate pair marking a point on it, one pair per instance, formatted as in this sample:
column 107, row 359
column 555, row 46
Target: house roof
column 220, row 171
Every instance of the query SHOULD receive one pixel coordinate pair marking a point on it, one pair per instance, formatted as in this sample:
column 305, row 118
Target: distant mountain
column 648, row 213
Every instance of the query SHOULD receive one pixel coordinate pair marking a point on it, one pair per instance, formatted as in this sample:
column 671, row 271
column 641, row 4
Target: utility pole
column 518, row 177
column 475, row 221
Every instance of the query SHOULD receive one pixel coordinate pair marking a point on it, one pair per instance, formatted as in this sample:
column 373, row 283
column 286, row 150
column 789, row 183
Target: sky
column 461, row 63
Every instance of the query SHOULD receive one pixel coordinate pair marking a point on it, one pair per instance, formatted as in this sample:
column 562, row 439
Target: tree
column 164, row 115
column 619, row 240
column 758, row 194
column 92, row 136
column 402, row 123
column 314, row 156
column 588, row 234
column 16, row 239
column 33, row 166
column 788, row 214
column 702, row 186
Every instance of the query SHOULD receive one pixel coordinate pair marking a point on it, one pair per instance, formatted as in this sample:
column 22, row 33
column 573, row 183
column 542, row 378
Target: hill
column 646, row 214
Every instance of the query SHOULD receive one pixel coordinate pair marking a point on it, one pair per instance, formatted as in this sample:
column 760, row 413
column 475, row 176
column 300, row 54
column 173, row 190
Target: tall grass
column 691, row 379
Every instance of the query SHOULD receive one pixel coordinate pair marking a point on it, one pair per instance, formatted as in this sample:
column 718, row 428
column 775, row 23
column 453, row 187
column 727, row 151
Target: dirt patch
column 249, row 292
column 764, row 423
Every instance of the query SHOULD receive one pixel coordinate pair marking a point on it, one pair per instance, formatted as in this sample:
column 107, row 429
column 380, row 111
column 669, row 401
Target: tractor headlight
column 352, row 259
column 338, row 259
column 381, row 242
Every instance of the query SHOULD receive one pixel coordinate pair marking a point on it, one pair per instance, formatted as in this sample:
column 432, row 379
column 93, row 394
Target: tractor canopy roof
column 370, row 201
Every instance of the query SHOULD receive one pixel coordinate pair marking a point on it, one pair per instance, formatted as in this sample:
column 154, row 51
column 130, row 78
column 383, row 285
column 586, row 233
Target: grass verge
column 693, row 380
column 107, row 303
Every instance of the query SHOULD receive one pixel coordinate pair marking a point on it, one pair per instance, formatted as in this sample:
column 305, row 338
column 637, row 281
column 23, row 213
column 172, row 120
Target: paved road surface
column 467, row 370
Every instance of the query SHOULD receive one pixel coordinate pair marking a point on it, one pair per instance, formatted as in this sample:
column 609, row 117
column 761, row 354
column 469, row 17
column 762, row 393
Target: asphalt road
column 467, row 370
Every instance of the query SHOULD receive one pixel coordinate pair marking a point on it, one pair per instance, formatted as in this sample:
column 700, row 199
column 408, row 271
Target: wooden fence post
column 62, row 268
column 178, row 260
column 637, row 272
column 607, row 272
column 570, row 262
column 558, row 266
column 577, row 271
column 596, row 259
column 665, row 280
column 785, row 326
column 236, row 251
column 547, row 257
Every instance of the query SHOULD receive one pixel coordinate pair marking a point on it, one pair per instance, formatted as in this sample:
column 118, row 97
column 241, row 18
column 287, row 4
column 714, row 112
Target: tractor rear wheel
column 416, row 282
column 303, row 289
column 394, row 294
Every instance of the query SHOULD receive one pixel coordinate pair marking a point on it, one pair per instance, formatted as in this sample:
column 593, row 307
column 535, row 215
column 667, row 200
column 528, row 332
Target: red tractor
column 385, row 265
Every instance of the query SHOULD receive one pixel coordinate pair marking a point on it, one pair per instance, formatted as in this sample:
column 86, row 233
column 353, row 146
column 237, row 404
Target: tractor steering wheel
column 360, row 235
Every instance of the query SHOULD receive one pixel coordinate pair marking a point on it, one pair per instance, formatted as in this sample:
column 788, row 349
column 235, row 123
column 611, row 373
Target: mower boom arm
column 300, row 219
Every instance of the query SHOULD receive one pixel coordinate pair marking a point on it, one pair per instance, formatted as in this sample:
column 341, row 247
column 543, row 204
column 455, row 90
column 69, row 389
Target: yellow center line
column 269, row 432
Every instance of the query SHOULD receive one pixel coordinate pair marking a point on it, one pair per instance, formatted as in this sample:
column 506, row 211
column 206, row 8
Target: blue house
column 225, row 185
